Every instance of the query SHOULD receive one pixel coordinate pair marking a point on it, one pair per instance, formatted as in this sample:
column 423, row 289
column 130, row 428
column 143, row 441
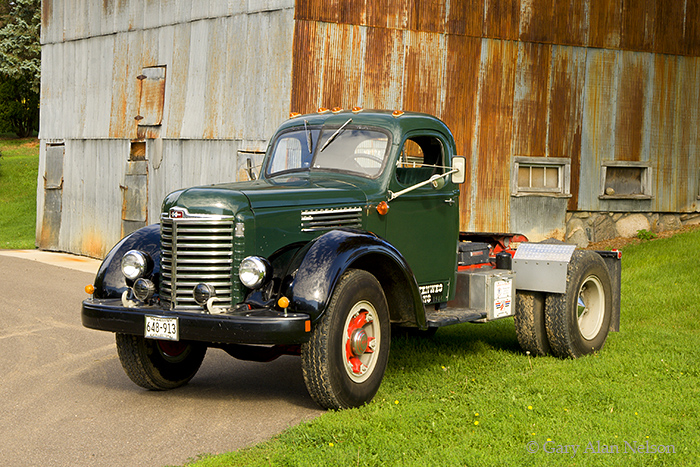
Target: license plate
column 158, row 327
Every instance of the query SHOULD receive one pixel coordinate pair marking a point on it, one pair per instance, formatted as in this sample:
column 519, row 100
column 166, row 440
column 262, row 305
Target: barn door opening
column 53, row 196
column 135, row 189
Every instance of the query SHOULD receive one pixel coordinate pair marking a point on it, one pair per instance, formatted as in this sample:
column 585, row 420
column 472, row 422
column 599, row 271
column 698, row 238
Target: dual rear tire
column 572, row 324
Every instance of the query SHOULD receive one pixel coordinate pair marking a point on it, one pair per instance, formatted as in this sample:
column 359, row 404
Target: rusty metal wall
column 586, row 79
column 592, row 81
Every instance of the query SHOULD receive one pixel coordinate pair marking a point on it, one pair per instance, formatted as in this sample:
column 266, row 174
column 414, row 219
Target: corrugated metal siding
column 215, row 86
column 589, row 80
column 227, row 88
column 559, row 78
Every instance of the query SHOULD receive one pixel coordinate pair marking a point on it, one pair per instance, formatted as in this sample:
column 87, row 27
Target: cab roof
column 397, row 123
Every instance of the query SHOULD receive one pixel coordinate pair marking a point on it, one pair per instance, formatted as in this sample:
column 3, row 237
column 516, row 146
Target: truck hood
column 280, row 192
column 302, row 191
column 208, row 200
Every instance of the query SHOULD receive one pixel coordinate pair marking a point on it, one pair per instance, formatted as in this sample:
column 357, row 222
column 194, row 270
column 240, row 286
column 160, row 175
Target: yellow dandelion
column 396, row 402
column 476, row 422
column 330, row 444
column 529, row 407
column 476, row 414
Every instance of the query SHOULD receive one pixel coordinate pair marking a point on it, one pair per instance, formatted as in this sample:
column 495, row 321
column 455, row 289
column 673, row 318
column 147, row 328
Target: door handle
column 450, row 201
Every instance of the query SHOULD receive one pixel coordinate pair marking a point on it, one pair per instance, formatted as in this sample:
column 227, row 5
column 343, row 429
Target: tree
column 19, row 107
column 20, row 65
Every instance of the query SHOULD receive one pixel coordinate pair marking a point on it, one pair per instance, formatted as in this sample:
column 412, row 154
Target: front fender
column 317, row 267
column 110, row 282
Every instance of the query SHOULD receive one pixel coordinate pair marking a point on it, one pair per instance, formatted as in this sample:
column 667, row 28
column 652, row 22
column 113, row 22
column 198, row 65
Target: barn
column 580, row 119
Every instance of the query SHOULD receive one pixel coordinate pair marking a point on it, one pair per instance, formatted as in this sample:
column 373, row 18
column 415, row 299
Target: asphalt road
column 65, row 400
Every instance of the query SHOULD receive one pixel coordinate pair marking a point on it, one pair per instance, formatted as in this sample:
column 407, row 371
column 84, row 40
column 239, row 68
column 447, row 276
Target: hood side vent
column 323, row 220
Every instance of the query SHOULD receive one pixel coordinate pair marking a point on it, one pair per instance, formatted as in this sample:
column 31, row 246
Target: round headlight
column 144, row 289
column 134, row 264
column 202, row 293
column 253, row 271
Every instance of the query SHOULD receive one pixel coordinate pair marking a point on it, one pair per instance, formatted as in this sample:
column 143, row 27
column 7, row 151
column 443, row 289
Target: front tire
column 578, row 321
column 345, row 359
column 159, row 365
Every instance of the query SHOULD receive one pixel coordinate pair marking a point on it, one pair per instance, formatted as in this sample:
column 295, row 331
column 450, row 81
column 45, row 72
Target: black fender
column 110, row 282
column 316, row 268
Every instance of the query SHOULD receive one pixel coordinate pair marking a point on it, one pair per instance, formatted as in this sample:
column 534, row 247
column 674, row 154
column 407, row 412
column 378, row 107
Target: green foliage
column 18, row 179
column 469, row 396
column 20, row 50
column 20, row 67
column 645, row 235
column 19, row 107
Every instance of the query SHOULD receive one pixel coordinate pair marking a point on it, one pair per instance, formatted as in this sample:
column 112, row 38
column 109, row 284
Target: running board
column 449, row 316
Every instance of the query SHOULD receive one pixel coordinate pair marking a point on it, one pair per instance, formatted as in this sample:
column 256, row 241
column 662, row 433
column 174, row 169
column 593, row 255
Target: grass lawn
column 18, row 177
column 468, row 396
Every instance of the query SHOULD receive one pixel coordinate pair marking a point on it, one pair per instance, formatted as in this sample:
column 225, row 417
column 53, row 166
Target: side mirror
column 459, row 163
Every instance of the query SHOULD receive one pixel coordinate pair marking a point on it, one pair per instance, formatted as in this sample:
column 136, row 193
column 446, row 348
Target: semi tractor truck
column 350, row 228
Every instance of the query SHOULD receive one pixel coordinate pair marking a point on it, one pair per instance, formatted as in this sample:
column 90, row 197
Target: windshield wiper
column 334, row 135
column 309, row 140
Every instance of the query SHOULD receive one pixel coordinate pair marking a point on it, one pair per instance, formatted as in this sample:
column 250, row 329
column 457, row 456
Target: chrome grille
column 328, row 219
column 194, row 251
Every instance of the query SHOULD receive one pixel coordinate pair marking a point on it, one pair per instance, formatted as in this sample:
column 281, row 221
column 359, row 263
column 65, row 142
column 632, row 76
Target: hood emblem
column 177, row 213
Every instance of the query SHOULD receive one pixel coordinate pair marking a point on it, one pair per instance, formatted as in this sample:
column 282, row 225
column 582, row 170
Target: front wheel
column 345, row 359
column 578, row 321
column 157, row 364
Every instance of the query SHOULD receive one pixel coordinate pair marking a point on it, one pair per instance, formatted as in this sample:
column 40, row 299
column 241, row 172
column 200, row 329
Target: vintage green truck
column 350, row 228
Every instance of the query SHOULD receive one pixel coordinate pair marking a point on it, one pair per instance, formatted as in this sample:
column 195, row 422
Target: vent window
column 625, row 180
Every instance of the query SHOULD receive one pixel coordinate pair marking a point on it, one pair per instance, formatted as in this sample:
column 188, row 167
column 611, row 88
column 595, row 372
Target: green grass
column 468, row 396
column 18, row 177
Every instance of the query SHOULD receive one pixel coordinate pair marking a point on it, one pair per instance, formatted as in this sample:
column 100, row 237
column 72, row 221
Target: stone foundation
column 583, row 228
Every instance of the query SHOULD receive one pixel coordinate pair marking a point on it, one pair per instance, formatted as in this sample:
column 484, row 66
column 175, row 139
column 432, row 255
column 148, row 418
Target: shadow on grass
column 461, row 340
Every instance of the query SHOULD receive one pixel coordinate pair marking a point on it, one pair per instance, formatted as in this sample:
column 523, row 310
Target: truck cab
column 350, row 227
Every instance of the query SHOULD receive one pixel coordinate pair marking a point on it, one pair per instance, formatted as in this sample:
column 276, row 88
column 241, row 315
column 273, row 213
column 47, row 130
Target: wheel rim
column 590, row 307
column 171, row 351
column 361, row 339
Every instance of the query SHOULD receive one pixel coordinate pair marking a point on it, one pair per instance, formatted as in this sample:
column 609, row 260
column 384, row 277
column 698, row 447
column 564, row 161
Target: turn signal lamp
column 383, row 208
column 336, row 110
column 357, row 109
column 294, row 114
column 322, row 110
column 90, row 289
column 283, row 302
column 397, row 113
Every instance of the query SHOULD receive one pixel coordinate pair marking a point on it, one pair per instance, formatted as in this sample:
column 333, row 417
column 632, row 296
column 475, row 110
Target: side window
column 421, row 158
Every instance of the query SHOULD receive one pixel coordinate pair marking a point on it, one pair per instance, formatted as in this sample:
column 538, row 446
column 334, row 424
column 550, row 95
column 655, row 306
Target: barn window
column 625, row 180
column 540, row 176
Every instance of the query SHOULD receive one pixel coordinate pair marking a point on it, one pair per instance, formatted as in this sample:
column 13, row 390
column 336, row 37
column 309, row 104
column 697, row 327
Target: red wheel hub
column 172, row 349
column 358, row 342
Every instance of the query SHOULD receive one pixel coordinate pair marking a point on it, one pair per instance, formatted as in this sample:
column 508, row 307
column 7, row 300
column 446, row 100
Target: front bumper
column 256, row 326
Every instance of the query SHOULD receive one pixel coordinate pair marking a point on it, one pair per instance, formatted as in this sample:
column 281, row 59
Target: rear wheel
column 345, row 359
column 578, row 321
column 530, row 322
column 159, row 364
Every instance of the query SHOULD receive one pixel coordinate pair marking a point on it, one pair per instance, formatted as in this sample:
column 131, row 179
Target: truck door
column 423, row 224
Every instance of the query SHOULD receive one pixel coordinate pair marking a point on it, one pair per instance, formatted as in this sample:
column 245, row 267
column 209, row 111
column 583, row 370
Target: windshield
column 345, row 149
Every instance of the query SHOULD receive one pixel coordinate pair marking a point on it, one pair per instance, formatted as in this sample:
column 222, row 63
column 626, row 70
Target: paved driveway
column 64, row 399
